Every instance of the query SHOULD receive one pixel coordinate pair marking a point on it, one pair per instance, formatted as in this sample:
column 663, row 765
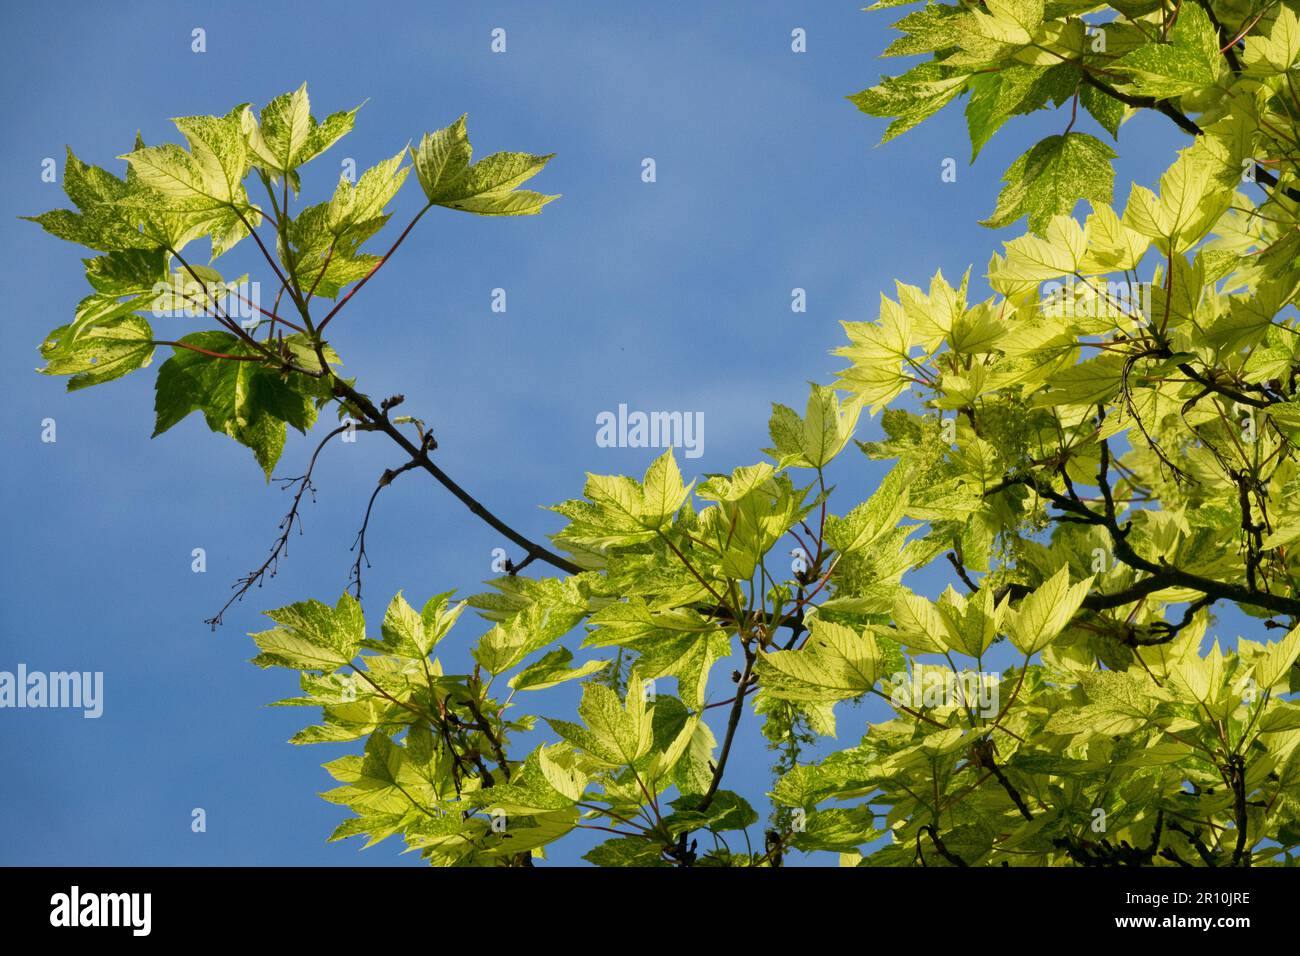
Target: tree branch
column 385, row 480
column 733, row 721
column 1161, row 575
column 942, row 850
column 380, row 421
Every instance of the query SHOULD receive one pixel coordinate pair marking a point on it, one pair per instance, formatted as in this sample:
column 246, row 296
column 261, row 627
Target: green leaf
column 614, row 735
column 553, row 669
column 508, row 643
column 836, row 664
column 100, row 222
column 838, row 829
column 626, row 851
column 127, row 271
column 1191, row 200
column 1188, row 62
column 726, row 811
column 920, row 625
column 916, row 95
column 220, row 152
column 620, row 510
column 408, row 634
column 177, row 196
column 814, row 440
column 212, row 171
column 312, row 636
column 326, row 253
column 971, row 623
column 288, row 136
column 679, row 643
column 1103, row 107
column 558, row 766
column 1014, row 90
column 874, row 518
column 1278, row 660
column 1053, row 176
column 105, row 351
column 1044, row 614
column 1279, row 717
column 242, row 399
column 1276, row 52
column 662, row 492
column 355, row 206
column 485, row 188
column 687, row 656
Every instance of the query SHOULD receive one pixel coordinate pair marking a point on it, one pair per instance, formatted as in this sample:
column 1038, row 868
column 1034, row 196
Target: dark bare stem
column 961, row 571
column 733, row 721
column 377, row 420
column 495, row 742
column 943, row 851
column 281, row 546
column 359, row 545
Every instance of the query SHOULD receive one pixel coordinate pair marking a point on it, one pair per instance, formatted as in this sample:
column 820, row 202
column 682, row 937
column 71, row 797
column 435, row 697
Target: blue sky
column 672, row 295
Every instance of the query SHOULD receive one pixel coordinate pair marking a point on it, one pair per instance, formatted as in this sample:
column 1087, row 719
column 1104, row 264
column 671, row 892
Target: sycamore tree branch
column 987, row 760
column 733, row 721
column 221, row 317
column 1143, row 102
column 208, row 352
column 1227, row 391
column 373, row 419
column 494, row 741
column 269, row 314
column 1161, row 575
column 939, row 846
column 1236, row 778
column 1197, row 844
column 961, row 571
column 378, row 420
column 267, row 255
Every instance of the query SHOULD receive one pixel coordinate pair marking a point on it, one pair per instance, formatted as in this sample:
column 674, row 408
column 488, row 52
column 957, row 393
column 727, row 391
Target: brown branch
column 943, row 851
column 1228, row 49
column 1225, row 390
column 269, row 258
column 1161, row 575
column 225, row 320
column 1181, row 120
column 961, row 571
column 1236, row 775
column 359, row 545
column 985, row 760
column 203, row 351
column 733, row 721
column 1143, row 102
column 493, row 740
column 379, row 421
column 366, row 278
column 1196, row 842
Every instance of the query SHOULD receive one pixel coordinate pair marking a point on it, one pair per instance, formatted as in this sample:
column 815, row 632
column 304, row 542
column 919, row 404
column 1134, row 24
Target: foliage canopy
column 1100, row 460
